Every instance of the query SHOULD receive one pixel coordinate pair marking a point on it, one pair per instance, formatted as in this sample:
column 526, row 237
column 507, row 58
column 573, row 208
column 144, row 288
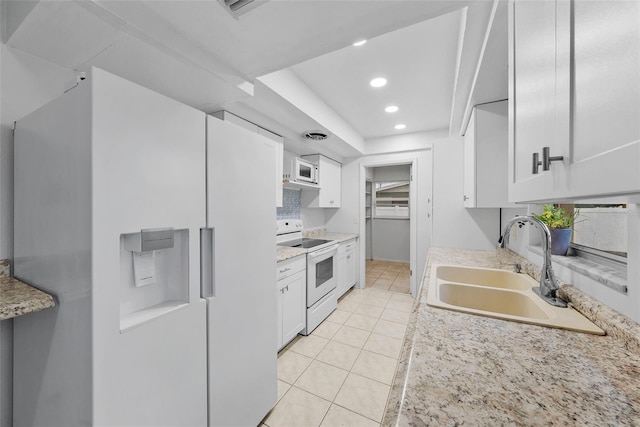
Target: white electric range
column 322, row 268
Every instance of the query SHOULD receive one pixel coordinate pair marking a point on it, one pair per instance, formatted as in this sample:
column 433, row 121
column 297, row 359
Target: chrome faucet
column 548, row 285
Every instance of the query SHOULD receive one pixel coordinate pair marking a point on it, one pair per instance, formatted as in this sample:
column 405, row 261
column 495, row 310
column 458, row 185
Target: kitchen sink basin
column 489, row 277
column 500, row 294
column 492, row 300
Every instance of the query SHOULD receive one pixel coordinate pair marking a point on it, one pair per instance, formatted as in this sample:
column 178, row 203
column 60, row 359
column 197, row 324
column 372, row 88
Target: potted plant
column 560, row 223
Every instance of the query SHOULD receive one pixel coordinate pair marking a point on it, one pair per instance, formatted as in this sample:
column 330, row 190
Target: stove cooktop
column 305, row 243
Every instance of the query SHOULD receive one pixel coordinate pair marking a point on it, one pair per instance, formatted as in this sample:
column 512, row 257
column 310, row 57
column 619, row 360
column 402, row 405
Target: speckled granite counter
column 18, row 298
column 322, row 233
column 338, row 237
column 461, row 369
column 284, row 253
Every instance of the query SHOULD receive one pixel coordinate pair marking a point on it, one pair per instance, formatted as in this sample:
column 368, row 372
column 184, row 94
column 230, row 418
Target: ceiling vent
column 315, row 135
column 240, row 7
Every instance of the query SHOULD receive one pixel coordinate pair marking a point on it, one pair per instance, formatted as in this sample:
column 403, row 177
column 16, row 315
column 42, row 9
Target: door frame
column 413, row 230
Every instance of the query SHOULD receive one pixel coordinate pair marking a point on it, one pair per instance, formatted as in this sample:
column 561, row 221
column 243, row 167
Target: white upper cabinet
column 277, row 140
column 574, row 88
column 329, row 180
column 485, row 157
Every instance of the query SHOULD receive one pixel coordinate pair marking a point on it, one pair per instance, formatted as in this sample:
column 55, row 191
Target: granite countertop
column 461, row 369
column 338, row 237
column 284, row 253
column 18, row 298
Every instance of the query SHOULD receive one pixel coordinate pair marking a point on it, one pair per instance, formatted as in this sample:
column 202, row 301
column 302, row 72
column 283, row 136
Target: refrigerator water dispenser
column 154, row 274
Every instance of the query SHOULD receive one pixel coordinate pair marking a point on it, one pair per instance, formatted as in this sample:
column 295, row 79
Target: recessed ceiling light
column 391, row 109
column 378, row 82
column 400, row 126
column 360, row 43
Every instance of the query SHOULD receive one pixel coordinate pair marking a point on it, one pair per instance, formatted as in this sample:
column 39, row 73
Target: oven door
column 321, row 273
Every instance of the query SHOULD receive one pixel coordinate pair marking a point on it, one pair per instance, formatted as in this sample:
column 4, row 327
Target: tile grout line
column 369, row 333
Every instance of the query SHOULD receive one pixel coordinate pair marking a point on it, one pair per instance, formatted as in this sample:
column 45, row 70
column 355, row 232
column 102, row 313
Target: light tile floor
column 341, row 374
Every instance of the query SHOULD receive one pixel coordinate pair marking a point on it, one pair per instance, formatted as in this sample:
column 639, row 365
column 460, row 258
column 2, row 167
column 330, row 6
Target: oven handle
column 323, row 252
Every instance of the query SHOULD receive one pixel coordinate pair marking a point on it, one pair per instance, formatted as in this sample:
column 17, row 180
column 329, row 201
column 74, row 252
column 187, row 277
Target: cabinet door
column 330, row 181
column 342, row 275
column 278, row 140
column 279, row 299
column 350, row 269
column 470, row 163
column 605, row 129
column 532, row 91
column 294, row 308
column 574, row 87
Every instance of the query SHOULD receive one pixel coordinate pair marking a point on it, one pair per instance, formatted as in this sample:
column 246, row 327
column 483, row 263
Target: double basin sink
column 500, row 294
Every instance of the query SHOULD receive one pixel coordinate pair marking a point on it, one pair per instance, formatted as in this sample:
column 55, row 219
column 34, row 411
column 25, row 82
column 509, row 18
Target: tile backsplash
column 291, row 201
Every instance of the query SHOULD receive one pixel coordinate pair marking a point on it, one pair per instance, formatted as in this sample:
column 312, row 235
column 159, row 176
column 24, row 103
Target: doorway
column 420, row 208
column 387, row 231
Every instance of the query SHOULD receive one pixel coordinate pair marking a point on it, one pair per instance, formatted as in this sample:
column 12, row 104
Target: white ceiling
column 419, row 63
column 196, row 52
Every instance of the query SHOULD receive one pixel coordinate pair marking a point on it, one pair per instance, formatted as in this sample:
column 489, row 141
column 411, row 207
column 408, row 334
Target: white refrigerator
column 109, row 202
column 239, row 275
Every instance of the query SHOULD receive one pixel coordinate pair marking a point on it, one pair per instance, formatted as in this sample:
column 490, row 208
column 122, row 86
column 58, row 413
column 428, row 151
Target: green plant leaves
column 556, row 217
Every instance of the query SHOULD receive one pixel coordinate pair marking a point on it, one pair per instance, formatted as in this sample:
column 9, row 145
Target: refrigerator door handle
column 207, row 262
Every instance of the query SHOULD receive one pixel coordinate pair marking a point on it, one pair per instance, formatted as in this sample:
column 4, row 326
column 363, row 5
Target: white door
column 605, row 98
column 293, row 305
column 532, row 89
column 242, row 313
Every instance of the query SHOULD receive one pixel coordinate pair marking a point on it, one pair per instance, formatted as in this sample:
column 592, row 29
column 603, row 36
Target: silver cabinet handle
column 547, row 159
column 465, row 198
column 348, row 256
column 284, row 270
column 535, row 164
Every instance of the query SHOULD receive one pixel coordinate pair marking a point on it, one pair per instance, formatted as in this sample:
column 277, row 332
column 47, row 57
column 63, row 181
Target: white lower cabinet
column 291, row 294
column 346, row 266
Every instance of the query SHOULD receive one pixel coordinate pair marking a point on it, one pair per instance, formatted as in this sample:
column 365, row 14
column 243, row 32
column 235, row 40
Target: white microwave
column 299, row 170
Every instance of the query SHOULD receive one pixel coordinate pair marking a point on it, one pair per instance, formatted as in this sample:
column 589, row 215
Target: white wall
column 313, row 217
column 390, row 240
column 453, row 225
column 403, row 143
column 26, row 83
column 391, row 173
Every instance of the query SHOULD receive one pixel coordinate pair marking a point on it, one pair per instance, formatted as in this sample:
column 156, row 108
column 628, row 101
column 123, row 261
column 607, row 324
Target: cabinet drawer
column 291, row 266
column 347, row 246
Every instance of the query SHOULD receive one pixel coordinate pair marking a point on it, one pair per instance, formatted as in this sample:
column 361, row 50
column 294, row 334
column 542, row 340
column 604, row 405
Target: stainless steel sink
column 500, row 294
